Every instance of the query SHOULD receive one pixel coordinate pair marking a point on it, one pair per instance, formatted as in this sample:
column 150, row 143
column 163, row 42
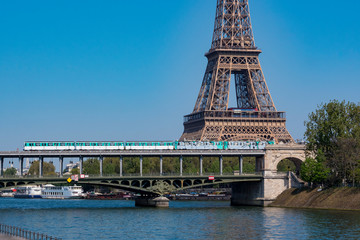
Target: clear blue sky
column 130, row 70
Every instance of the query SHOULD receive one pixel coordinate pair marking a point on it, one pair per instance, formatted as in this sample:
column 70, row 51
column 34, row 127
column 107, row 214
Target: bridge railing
column 17, row 177
column 22, row 233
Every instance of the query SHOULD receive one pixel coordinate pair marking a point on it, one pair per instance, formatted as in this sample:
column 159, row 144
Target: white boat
column 30, row 191
column 50, row 191
column 7, row 193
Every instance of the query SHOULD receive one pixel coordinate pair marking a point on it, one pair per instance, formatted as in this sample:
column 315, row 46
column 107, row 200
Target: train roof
column 94, row 141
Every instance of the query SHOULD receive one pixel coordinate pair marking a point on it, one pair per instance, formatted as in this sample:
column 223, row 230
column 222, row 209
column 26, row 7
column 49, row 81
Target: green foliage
column 10, row 172
column 211, row 165
column 345, row 160
column 75, row 171
column 91, row 166
column 48, row 169
column 332, row 121
column 191, row 165
column 171, row 165
column 111, row 166
column 333, row 135
column 249, row 165
column 286, row 165
column 151, row 165
column 131, row 165
column 314, row 171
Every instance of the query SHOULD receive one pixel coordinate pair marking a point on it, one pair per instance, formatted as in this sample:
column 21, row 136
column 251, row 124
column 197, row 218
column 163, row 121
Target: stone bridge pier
column 272, row 183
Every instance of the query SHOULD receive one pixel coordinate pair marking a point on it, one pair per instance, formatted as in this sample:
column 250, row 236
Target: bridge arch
column 187, row 183
column 297, row 161
column 2, row 184
column 10, row 184
column 198, row 182
column 295, row 165
column 125, row 182
column 275, row 154
column 177, row 183
column 146, row 184
column 135, row 183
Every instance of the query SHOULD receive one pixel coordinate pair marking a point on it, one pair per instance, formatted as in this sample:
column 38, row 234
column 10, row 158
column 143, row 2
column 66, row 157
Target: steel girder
column 143, row 185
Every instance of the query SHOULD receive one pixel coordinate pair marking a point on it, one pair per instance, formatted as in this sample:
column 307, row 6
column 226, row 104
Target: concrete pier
column 259, row 193
column 161, row 202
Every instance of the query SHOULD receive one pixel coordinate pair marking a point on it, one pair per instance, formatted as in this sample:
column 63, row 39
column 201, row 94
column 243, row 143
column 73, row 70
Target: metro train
column 114, row 145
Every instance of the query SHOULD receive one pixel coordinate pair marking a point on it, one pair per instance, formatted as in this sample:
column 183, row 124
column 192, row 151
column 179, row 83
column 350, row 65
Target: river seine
column 92, row 219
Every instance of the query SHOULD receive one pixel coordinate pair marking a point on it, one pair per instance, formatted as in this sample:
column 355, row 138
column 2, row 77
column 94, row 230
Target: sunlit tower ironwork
column 234, row 57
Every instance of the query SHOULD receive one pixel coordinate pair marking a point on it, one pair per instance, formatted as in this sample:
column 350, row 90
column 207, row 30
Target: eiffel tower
column 233, row 57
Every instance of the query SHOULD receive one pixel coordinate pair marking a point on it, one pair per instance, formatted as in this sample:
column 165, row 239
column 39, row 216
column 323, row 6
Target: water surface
column 95, row 219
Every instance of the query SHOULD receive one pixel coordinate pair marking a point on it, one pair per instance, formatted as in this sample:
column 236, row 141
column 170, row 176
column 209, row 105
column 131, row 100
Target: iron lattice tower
column 233, row 55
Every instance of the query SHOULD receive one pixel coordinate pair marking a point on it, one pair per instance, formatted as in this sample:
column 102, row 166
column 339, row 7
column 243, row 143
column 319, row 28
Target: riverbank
column 332, row 198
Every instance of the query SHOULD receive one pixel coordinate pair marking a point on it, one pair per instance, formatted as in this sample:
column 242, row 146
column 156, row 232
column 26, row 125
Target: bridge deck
column 130, row 153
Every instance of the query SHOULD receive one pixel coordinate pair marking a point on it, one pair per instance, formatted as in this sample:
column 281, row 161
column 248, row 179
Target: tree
column 48, row 169
column 345, row 160
column 10, row 172
column 332, row 121
column 333, row 134
column 91, row 166
column 314, row 171
column 286, row 165
column 111, row 166
column 75, row 171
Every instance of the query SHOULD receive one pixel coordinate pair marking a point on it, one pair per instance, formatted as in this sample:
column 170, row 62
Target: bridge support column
column 201, row 165
column 41, row 168
column 221, row 165
column 259, row 164
column 81, row 160
column 101, row 159
column 141, row 165
column 21, row 161
column 181, row 165
column 1, row 166
column 259, row 193
column 241, row 165
column 121, row 166
column 161, row 165
column 61, row 165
